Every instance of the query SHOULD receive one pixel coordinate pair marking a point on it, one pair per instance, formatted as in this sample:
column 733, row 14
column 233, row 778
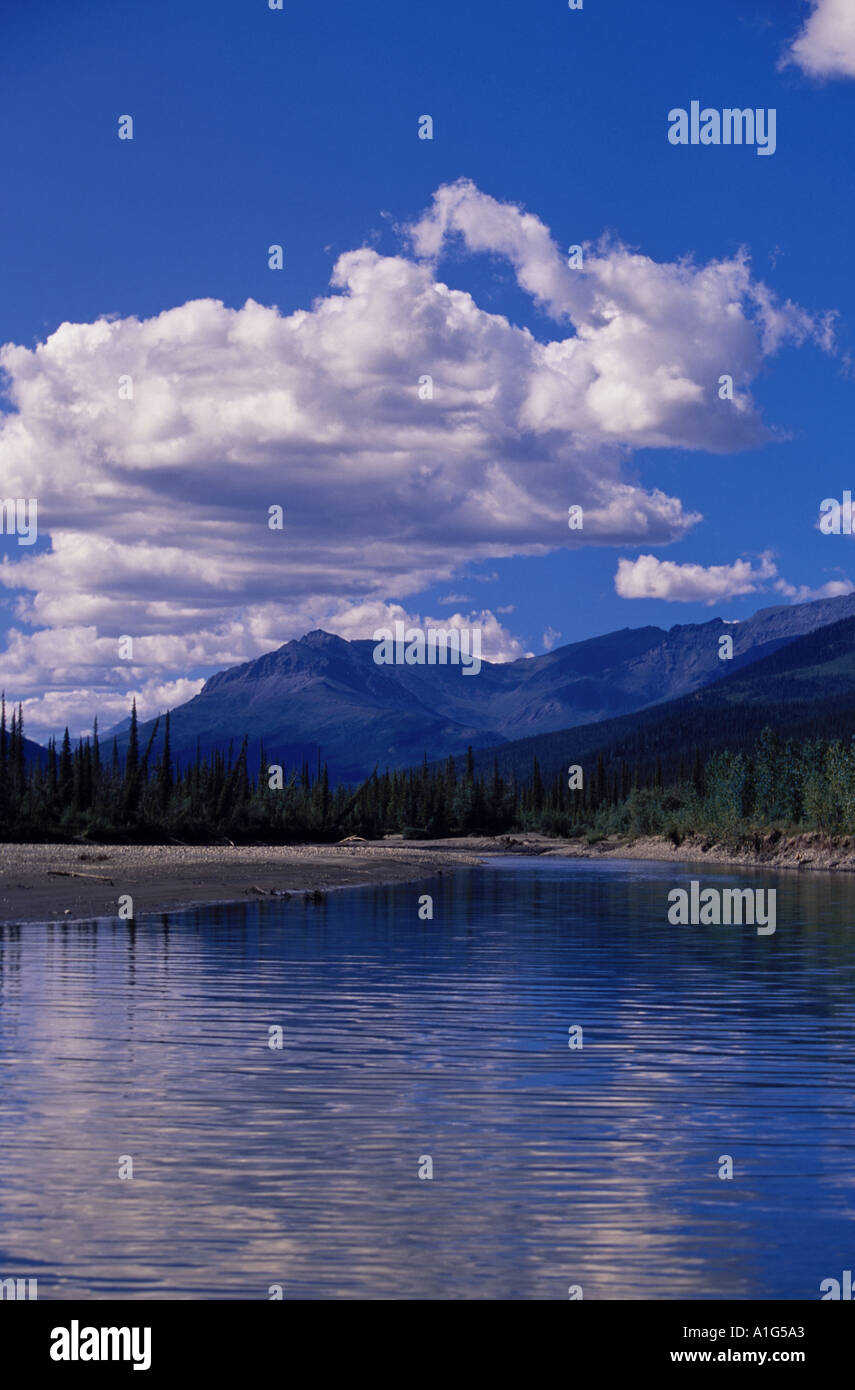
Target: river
column 260, row 1168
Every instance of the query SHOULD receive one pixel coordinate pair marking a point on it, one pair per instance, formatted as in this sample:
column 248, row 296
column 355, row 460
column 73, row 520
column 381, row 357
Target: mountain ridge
column 805, row 689
column 321, row 694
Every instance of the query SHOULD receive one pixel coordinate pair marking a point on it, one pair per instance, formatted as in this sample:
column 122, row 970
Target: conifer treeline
column 80, row 792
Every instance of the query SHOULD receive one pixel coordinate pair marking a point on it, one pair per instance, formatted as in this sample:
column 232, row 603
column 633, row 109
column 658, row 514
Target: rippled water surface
column 404, row 1038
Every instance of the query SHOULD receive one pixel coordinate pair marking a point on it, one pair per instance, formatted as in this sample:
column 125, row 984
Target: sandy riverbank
column 767, row 850
column 41, row 883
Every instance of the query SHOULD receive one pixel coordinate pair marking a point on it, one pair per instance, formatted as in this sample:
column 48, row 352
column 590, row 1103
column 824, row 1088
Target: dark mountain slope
column 804, row 690
column 322, row 692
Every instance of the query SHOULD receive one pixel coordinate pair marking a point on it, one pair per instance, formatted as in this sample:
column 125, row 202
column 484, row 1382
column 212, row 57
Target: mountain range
column 803, row 690
column 324, row 696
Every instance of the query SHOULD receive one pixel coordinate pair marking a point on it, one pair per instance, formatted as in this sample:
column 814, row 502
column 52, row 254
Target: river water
column 554, row 1167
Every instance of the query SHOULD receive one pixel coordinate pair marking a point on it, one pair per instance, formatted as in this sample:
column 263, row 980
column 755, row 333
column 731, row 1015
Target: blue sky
column 254, row 127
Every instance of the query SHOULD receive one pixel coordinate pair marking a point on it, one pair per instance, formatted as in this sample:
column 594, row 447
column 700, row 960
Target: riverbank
column 42, row 883
column 770, row 849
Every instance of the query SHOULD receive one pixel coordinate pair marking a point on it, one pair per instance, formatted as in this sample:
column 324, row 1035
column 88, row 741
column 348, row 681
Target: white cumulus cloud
column 803, row 593
column 650, row 577
column 825, row 47
column 157, row 507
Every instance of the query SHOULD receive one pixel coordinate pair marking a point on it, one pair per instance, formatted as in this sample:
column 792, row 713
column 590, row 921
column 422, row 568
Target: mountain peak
column 318, row 638
column 322, row 689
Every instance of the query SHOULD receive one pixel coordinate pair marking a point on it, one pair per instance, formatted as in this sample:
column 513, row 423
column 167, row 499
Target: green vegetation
column 76, row 792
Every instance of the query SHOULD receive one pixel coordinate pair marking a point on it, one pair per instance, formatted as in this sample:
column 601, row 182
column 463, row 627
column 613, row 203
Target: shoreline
column 74, row 882
column 812, row 852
